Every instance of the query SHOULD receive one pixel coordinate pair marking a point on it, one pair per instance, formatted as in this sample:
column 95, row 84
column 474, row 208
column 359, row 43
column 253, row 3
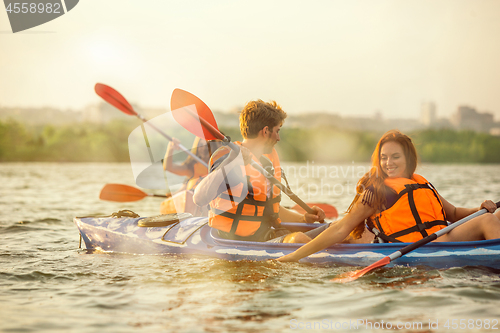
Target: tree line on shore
column 87, row 142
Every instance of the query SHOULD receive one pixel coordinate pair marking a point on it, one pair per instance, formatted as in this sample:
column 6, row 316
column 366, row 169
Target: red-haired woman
column 398, row 205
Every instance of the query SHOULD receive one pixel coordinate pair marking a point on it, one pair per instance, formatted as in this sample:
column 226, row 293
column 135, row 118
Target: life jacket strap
column 236, row 219
column 268, row 219
column 379, row 237
column 411, row 188
column 419, row 228
column 393, row 238
column 379, row 232
column 237, row 216
column 226, row 181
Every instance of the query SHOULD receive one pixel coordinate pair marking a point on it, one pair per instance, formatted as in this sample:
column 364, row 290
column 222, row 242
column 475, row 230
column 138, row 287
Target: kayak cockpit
column 180, row 232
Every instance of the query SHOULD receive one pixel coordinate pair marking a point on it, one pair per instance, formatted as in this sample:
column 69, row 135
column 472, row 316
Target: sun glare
column 103, row 52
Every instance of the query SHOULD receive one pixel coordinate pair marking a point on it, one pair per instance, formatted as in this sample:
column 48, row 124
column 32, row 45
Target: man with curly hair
column 244, row 204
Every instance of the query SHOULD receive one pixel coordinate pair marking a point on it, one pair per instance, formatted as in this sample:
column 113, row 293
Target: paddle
column 124, row 193
column 195, row 116
column 386, row 260
column 114, row 98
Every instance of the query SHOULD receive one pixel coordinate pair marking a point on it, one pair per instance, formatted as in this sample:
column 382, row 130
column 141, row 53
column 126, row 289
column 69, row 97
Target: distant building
column 428, row 113
column 467, row 118
column 495, row 131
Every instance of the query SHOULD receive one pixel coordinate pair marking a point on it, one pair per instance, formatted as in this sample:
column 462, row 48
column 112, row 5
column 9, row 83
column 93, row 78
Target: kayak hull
column 194, row 236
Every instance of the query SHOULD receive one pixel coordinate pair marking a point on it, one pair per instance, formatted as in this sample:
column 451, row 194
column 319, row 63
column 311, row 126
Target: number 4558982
column 33, row 8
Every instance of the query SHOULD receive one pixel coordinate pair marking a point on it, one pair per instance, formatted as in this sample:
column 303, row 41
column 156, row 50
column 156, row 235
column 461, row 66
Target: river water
column 48, row 284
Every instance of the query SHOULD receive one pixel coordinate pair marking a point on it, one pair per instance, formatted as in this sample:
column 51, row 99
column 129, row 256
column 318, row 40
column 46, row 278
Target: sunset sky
column 345, row 57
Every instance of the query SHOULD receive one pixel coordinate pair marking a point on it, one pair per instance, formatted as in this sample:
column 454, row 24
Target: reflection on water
column 48, row 284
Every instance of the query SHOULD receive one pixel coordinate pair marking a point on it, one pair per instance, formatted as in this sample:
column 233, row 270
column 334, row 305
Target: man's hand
column 319, row 215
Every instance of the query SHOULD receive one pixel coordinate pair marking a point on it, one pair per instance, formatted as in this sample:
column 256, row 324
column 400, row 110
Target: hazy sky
column 347, row 57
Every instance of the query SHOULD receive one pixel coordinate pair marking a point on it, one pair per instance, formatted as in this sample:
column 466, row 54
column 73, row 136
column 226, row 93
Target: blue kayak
column 192, row 235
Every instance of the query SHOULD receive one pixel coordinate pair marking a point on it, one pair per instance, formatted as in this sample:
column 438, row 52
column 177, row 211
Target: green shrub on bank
column 70, row 143
column 109, row 143
column 449, row 146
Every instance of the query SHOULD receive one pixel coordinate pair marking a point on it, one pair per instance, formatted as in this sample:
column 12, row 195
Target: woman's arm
column 169, row 165
column 454, row 214
column 336, row 233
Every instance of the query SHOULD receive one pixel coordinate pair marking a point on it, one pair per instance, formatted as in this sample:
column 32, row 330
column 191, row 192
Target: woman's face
column 203, row 150
column 393, row 160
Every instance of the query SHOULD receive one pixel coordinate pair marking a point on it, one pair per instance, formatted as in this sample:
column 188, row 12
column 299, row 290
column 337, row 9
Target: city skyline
column 348, row 58
column 464, row 118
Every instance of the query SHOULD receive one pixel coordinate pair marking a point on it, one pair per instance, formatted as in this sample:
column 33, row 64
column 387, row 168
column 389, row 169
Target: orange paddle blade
column 114, row 98
column 121, row 193
column 351, row 276
column 194, row 115
column 330, row 211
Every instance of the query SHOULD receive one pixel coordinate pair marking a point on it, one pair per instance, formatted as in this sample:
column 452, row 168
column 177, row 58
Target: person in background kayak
column 243, row 203
column 400, row 206
column 190, row 168
column 182, row 199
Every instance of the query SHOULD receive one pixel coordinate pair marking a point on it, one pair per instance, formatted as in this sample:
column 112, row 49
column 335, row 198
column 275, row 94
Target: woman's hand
column 288, row 258
column 174, row 144
column 489, row 205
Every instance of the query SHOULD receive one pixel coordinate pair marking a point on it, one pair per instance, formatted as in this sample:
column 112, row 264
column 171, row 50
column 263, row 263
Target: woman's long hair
column 375, row 176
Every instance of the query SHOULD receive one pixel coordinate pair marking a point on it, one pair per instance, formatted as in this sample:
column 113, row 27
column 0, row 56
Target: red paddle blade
column 351, row 276
column 330, row 211
column 194, row 115
column 114, row 98
column 121, row 193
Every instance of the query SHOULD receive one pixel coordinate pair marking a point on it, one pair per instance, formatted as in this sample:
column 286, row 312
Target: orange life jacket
column 243, row 217
column 199, row 171
column 417, row 212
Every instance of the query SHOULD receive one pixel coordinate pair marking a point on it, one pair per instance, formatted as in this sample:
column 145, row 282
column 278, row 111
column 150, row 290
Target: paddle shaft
column 216, row 133
column 170, row 139
column 437, row 234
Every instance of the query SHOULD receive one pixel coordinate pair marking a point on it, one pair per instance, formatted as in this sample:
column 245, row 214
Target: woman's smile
column 393, row 160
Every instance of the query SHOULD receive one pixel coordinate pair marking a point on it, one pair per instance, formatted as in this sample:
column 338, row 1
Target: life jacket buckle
column 412, row 187
column 420, row 227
